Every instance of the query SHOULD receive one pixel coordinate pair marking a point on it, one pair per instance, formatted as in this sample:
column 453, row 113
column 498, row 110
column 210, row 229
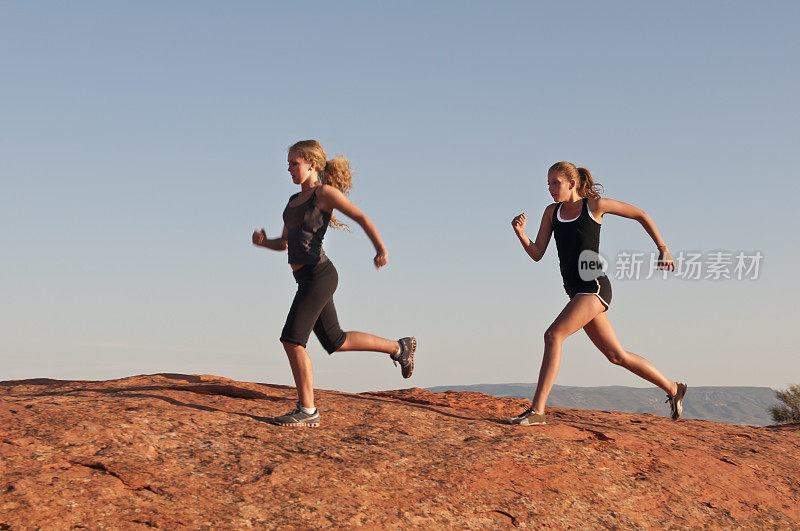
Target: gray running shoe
column 676, row 402
column 408, row 345
column 528, row 418
column 298, row 418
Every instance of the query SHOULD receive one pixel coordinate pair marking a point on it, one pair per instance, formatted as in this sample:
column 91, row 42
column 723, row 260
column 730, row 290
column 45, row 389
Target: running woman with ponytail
column 575, row 220
column 306, row 218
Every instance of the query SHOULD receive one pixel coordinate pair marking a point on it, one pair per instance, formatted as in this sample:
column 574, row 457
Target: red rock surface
column 172, row 450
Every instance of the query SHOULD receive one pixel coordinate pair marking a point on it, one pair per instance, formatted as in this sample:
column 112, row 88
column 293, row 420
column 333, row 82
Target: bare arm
column 276, row 244
column 618, row 208
column 535, row 249
column 334, row 199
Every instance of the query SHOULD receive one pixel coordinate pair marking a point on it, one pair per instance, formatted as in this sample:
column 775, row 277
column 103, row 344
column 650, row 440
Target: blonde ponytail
column 586, row 185
column 337, row 174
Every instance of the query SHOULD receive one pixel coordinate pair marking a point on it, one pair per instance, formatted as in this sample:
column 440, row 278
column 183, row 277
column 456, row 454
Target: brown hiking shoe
column 528, row 418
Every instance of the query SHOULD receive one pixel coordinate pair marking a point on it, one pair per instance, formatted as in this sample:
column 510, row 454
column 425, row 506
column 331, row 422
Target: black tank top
column 306, row 224
column 573, row 237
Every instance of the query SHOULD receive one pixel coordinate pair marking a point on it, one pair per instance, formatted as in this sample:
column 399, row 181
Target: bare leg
column 603, row 336
column 303, row 373
column 362, row 341
column 579, row 311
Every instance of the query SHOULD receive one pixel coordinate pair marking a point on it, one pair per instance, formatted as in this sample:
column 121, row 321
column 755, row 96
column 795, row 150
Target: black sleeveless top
column 573, row 237
column 306, row 224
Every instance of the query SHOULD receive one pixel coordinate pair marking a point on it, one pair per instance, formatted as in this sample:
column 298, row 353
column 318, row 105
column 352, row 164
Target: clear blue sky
column 142, row 143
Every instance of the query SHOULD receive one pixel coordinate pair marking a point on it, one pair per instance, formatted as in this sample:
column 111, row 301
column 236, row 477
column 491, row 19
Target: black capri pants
column 313, row 309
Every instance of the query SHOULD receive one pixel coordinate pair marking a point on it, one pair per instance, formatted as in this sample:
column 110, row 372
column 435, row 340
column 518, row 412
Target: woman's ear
column 572, row 184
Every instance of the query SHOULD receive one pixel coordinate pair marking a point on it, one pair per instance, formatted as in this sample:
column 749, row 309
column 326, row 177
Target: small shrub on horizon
column 789, row 412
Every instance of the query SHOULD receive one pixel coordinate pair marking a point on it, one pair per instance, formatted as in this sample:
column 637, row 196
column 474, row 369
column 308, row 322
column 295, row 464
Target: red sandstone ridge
column 173, row 451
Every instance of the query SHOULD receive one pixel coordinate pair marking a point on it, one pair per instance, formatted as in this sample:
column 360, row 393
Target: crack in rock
column 128, row 482
column 145, row 522
column 507, row 515
column 599, row 435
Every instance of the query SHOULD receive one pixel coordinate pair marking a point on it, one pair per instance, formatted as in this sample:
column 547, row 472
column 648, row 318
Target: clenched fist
column 518, row 223
column 259, row 237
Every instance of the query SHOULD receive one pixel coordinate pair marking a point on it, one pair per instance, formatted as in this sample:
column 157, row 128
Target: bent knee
column 553, row 335
column 333, row 343
column 617, row 357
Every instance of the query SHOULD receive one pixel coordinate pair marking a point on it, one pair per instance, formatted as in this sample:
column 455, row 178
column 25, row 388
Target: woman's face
column 558, row 186
column 299, row 169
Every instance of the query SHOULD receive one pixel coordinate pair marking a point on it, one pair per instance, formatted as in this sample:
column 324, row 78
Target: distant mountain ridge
column 734, row 405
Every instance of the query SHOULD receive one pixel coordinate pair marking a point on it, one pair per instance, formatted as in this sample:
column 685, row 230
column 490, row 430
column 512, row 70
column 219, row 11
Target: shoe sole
column 297, row 424
column 411, row 359
column 526, row 422
column 679, row 400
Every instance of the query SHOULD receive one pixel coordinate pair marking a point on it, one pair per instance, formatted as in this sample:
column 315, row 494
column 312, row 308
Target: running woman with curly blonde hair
column 575, row 220
column 324, row 185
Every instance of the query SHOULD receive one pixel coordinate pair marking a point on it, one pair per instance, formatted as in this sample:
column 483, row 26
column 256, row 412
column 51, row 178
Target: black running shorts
column 600, row 286
column 313, row 309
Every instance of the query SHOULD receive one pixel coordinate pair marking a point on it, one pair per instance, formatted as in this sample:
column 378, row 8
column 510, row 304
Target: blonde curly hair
column 335, row 172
